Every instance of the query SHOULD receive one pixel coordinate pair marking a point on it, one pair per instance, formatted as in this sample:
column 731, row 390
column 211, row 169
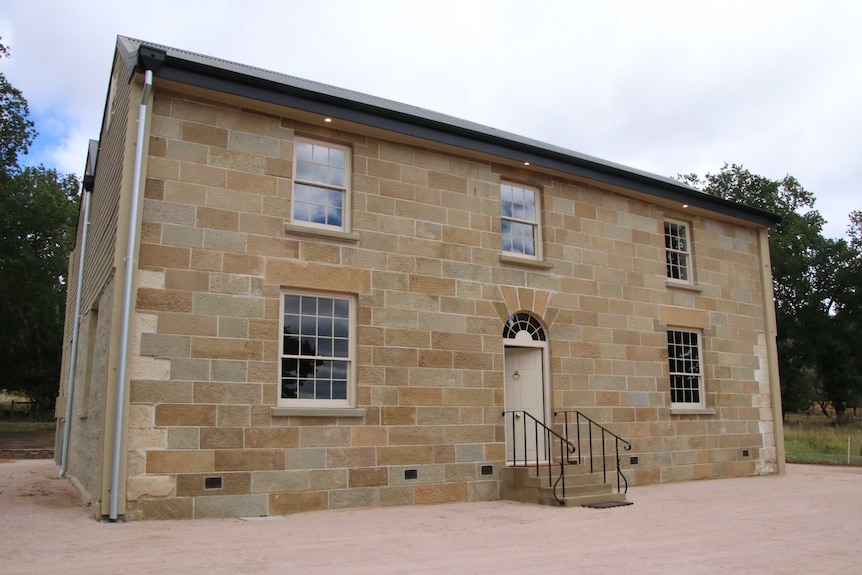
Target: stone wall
column 432, row 296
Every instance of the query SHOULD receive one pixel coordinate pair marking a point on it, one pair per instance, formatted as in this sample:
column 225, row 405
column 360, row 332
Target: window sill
column 320, row 232
column 317, row 411
column 692, row 411
column 528, row 262
column 685, row 286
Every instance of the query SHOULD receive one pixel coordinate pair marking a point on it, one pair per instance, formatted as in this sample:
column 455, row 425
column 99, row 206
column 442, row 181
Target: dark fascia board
column 314, row 97
column 89, row 178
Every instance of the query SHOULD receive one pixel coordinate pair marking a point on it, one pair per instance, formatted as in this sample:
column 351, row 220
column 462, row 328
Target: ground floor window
column 316, row 350
column 686, row 371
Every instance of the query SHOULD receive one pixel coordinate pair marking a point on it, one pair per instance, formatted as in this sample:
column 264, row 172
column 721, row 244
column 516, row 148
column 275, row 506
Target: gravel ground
column 807, row 521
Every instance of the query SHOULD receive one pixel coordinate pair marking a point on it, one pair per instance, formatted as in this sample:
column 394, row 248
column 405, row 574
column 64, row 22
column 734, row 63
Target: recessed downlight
column 327, row 120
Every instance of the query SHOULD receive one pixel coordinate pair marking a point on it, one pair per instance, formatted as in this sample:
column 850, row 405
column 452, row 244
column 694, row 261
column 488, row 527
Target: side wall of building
column 432, row 297
column 92, row 373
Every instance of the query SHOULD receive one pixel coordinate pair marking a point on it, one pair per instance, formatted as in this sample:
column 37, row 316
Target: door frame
column 528, row 342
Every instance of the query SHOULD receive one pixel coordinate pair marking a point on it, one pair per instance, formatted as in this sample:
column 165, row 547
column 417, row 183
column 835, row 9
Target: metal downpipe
column 73, row 361
column 119, row 417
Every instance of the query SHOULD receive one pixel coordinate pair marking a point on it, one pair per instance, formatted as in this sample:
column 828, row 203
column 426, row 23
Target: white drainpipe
column 70, row 384
column 125, row 327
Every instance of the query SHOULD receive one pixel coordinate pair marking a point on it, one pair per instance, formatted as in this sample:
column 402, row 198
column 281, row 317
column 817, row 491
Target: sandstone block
column 359, row 497
column 150, row 486
column 148, row 391
column 279, row 481
column 300, row 502
column 272, row 437
column 164, row 300
column 306, row 458
column 440, row 493
column 369, row 477
column 248, row 459
column 157, row 509
column 342, row 457
column 168, row 414
column 221, row 438
column 183, row 438
column 396, row 496
column 404, row 455
column 213, row 506
column 179, row 461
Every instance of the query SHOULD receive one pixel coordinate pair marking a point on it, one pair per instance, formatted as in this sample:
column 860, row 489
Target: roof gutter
column 128, row 289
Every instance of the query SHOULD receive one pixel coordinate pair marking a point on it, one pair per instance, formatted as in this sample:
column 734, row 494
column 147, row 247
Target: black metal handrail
column 567, row 448
column 604, row 432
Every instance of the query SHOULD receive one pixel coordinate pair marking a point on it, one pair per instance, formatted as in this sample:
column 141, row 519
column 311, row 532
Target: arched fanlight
column 519, row 322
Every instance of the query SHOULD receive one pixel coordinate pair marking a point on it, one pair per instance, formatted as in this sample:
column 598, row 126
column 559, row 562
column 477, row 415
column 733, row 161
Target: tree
column 838, row 379
column 16, row 130
column 38, row 214
column 816, row 284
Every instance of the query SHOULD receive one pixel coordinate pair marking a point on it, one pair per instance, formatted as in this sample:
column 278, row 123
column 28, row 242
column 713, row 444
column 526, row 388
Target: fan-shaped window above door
column 523, row 326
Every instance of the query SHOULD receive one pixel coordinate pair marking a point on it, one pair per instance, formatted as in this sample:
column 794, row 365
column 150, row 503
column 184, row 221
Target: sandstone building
column 287, row 296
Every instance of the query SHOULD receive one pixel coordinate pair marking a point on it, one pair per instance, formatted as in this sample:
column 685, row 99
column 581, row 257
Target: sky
column 669, row 87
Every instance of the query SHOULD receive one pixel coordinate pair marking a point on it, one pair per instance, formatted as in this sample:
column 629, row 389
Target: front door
column 524, row 391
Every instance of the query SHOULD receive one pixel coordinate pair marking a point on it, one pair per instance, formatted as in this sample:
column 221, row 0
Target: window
column 677, row 251
column 316, row 350
column 523, row 323
column 686, row 375
column 320, row 185
column 520, row 220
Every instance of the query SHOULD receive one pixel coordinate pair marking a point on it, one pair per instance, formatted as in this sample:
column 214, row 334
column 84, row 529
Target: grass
column 815, row 439
column 24, row 426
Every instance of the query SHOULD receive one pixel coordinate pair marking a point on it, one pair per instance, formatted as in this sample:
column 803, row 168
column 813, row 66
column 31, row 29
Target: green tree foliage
column 816, row 283
column 38, row 215
column 16, row 130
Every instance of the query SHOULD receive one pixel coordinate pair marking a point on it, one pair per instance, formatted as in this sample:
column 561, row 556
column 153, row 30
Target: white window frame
column 534, row 223
column 682, row 365
column 316, row 183
column 350, row 359
column 684, row 254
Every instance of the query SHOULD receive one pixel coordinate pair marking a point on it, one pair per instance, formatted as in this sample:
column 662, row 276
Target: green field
column 815, row 439
column 25, row 426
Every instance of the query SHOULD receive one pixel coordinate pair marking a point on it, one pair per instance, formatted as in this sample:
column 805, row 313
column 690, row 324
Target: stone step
column 528, row 478
column 582, row 487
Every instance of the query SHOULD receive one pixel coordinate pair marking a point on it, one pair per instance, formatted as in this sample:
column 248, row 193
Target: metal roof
column 281, row 89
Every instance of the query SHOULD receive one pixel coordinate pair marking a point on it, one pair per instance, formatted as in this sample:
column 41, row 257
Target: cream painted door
column 524, row 391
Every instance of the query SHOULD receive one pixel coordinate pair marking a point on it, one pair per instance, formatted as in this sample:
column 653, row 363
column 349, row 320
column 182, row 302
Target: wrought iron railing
column 581, row 421
column 544, row 453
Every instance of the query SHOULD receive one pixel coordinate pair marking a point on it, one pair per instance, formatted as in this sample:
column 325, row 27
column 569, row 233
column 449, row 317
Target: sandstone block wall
column 432, row 295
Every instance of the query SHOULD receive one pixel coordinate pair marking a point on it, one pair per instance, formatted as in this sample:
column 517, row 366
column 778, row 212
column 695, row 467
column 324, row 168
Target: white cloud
column 666, row 86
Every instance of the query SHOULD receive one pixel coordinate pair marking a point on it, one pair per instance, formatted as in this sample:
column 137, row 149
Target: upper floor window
column 316, row 350
column 686, row 369
column 321, row 195
column 520, row 220
column 677, row 249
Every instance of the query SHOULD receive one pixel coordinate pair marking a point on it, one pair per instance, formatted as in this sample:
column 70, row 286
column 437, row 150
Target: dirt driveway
column 808, row 521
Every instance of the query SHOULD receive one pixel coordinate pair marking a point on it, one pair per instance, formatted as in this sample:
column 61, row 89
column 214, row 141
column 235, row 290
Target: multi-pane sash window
column 316, row 350
column 320, row 184
column 677, row 251
column 520, row 223
column 686, row 375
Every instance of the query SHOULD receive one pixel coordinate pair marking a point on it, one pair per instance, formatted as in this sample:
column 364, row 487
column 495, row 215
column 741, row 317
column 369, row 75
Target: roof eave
column 243, row 81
